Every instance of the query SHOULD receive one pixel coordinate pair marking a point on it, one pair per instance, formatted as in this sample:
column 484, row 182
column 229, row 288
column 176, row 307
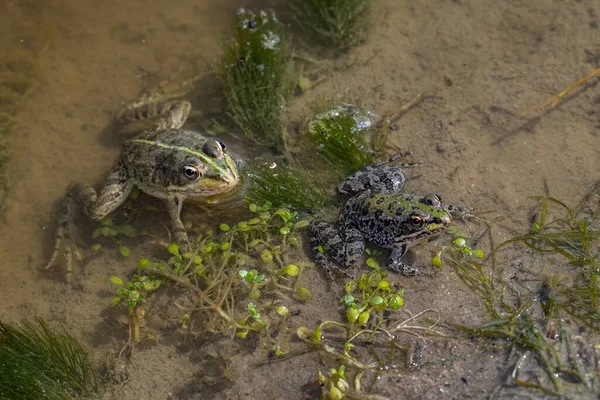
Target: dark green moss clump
column 337, row 24
column 286, row 186
column 37, row 362
column 346, row 136
column 255, row 70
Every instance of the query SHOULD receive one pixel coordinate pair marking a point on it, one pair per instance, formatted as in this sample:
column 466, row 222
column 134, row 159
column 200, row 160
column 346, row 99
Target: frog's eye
column 221, row 144
column 417, row 220
column 432, row 200
column 190, row 172
column 213, row 148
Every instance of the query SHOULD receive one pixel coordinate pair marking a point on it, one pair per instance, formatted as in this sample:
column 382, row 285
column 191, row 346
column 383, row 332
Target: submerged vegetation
column 239, row 279
column 255, row 70
column 287, row 185
column 345, row 137
column 41, row 363
column 540, row 312
column 337, row 24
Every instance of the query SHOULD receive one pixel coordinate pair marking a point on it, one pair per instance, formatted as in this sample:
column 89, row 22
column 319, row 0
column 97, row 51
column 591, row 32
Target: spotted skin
column 164, row 161
column 379, row 214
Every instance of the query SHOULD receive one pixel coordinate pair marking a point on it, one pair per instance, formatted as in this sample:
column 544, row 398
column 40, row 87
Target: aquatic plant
column 286, row 185
column 347, row 137
column 337, row 24
column 533, row 317
column 369, row 338
column 238, row 278
column 38, row 362
column 255, row 70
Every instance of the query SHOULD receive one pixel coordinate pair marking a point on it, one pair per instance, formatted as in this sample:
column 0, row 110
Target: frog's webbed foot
column 326, row 243
column 66, row 238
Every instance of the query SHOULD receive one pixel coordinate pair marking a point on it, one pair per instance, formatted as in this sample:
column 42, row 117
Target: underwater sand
column 474, row 61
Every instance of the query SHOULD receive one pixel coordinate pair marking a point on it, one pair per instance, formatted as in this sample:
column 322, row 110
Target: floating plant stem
column 255, row 70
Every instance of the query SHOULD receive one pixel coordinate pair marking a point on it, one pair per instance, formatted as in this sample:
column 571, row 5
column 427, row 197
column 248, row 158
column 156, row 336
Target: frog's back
column 380, row 217
column 151, row 158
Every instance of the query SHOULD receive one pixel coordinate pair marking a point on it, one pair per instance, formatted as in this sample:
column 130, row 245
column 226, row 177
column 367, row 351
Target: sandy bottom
column 476, row 63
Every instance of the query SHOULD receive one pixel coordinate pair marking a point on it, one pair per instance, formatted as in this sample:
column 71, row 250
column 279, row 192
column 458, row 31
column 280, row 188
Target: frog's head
column 205, row 172
column 427, row 217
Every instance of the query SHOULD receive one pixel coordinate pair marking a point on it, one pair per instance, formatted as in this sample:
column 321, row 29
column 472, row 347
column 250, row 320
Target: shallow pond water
column 475, row 63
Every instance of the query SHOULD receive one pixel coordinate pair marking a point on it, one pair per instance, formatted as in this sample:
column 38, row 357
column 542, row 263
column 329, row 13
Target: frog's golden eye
column 417, row 220
column 190, row 172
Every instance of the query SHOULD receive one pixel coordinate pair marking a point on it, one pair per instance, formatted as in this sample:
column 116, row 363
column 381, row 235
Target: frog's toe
column 404, row 269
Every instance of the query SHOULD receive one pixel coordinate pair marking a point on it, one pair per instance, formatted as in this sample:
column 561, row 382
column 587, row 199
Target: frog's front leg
column 326, row 241
column 396, row 265
column 174, row 205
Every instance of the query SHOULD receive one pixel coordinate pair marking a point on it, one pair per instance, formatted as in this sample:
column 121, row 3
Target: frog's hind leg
column 326, row 241
column 114, row 192
column 172, row 115
column 112, row 195
column 67, row 238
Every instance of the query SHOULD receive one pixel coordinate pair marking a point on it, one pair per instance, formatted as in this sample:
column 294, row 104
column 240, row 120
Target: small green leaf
column 348, row 299
column 352, row 315
column 243, row 273
column 124, row 250
column 377, row 300
column 284, row 230
column 224, row 227
column 316, row 336
column 255, row 294
column 460, row 242
column 115, row 301
column 292, row 270
column 197, row 260
column 395, row 301
column 303, row 293
column 384, row 286
column 143, row 263
column 254, row 208
column 478, row 253
column 436, row 261
column 371, row 262
column 96, row 247
column 116, row 280
column 266, row 256
column 363, row 318
column 173, row 249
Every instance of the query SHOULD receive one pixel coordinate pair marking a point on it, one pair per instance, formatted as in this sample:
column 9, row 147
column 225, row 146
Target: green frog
column 164, row 161
column 378, row 213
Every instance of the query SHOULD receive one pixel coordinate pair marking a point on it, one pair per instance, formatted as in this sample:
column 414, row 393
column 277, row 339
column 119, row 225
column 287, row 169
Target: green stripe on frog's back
column 206, row 159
